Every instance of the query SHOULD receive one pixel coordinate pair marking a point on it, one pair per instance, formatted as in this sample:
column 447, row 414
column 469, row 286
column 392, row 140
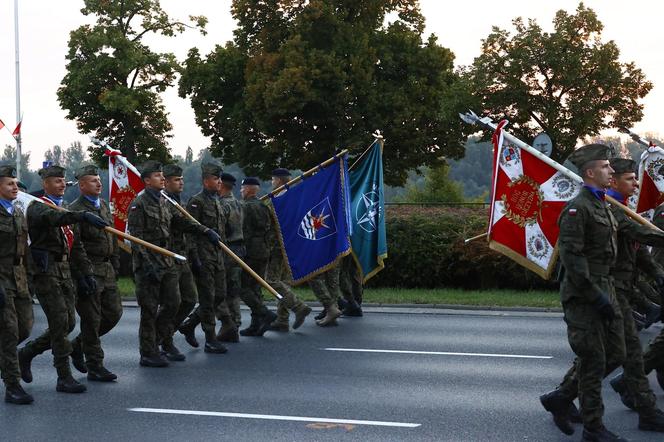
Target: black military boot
column 77, row 357
column 15, row 394
column 342, row 304
column 101, row 374
column 67, row 384
column 171, row 352
column 25, row 362
column 268, row 318
column 212, row 345
column 600, row 434
column 574, row 415
column 618, row 385
column 651, row 420
column 558, row 405
column 253, row 327
column 652, row 314
column 321, row 315
column 188, row 329
column 352, row 309
column 153, row 361
column 301, row 314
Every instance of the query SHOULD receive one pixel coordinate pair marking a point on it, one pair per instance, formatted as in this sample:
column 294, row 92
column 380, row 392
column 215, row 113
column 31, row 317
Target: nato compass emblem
column 368, row 210
column 318, row 223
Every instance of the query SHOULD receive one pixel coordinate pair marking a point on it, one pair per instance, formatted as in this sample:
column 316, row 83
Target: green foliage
column 568, row 83
column 438, row 187
column 113, row 79
column 426, row 250
column 28, row 177
column 304, row 78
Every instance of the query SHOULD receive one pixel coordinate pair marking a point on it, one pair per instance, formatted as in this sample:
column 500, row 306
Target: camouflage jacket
column 207, row 209
column 257, row 229
column 13, row 250
column 234, row 211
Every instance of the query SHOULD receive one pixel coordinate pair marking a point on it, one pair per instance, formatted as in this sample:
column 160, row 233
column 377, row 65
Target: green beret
column 589, row 152
column 211, row 169
column 7, row 171
column 172, row 170
column 86, row 170
column 149, row 167
column 251, row 181
column 52, row 171
column 623, row 165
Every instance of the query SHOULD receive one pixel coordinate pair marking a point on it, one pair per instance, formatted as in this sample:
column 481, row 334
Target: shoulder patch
column 133, row 207
column 661, row 215
column 571, row 212
column 194, row 205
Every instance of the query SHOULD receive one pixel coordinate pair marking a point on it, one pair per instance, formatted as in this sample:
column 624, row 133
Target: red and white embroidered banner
column 124, row 183
column 651, row 177
column 528, row 196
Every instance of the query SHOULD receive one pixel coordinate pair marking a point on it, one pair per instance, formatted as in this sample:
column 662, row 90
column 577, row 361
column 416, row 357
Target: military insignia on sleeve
column 572, row 212
column 194, row 205
column 132, row 208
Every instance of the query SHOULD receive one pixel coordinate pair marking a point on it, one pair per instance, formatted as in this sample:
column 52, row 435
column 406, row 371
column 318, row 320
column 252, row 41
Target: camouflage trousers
column 99, row 313
column 159, row 301
column 188, row 297
column 211, row 285
column 350, row 280
column 251, row 289
column 57, row 298
column 653, row 358
column 326, row 286
column 630, row 356
column 277, row 276
column 233, row 289
column 9, row 341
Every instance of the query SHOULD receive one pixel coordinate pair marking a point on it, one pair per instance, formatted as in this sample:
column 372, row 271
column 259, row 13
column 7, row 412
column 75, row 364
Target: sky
column 44, row 27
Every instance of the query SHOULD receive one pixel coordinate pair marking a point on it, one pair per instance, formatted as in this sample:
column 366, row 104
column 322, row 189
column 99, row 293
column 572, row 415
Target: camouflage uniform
column 235, row 241
column 653, row 358
column 350, row 280
column 101, row 311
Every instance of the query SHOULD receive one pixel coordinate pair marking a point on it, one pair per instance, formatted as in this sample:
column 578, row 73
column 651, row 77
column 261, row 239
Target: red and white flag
column 124, row 183
column 528, row 196
column 2, row 124
column 17, row 130
column 651, row 177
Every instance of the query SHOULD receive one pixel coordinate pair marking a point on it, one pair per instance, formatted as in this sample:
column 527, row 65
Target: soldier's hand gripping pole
column 126, row 236
column 486, row 122
column 225, row 248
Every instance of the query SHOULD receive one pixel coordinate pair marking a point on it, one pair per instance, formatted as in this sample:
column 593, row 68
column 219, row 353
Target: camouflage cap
column 52, row 171
column 228, row 178
column 589, row 152
column 251, row 181
column 171, row 170
column 623, row 165
column 7, row 171
column 149, row 167
column 211, row 169
column 281, row 172
column 90, row 169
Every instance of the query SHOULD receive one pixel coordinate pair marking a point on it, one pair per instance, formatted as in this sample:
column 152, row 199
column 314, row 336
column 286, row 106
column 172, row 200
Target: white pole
column 18, row 93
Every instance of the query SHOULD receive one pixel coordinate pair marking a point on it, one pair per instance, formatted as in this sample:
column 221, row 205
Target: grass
column 483, row 298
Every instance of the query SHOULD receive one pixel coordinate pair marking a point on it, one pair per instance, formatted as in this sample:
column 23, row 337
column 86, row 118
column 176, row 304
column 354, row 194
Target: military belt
column 599, row 269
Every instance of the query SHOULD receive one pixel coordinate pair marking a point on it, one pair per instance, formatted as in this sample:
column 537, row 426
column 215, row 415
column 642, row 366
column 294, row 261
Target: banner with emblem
column 367, row 211
column 651, row 178
column 124, row 183
column 313, row 221
column 528, row 196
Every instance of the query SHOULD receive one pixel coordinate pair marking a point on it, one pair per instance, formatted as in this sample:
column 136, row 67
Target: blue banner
column 368, row 239
column 313, row 221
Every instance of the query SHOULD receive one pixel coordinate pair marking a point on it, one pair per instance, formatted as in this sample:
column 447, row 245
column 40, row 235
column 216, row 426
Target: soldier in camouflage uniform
column 53, row 247
column 152, row 219
column 182, row 245
column 101, row 309
column 208, row 260
column 326, row 288
column 277, row 271
column 595, row 317
column 256, row 231
column 350, row 283
column 23, row 301
column 13, row 280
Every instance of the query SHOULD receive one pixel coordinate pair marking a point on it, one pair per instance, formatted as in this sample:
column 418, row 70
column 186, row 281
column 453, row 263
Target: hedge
column 426, row 249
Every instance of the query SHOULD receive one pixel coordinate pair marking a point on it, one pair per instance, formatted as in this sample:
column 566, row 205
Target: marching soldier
column 600, row 327
column 152, row 219
column 53, row 247
column 25, row 316
column 13, row 284
column 208, row 260
column 277, row 272
column 100, row 309
column 256, row 231
column 350, row 284
column 183, row 246
column 326, row 289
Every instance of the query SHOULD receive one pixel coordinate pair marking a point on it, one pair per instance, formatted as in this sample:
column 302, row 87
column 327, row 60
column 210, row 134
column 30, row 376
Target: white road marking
column 438, row 353
column 274, row 417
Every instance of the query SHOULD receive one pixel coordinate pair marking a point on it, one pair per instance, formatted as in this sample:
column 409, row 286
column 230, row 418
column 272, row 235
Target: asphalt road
column 467, row 377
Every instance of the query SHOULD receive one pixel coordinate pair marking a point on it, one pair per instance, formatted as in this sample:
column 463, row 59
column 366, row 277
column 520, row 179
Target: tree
column 70, row 158
column 567, row 83
column 9, row 157
column 302, row 79
column 113, row 82
column 438, row 187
